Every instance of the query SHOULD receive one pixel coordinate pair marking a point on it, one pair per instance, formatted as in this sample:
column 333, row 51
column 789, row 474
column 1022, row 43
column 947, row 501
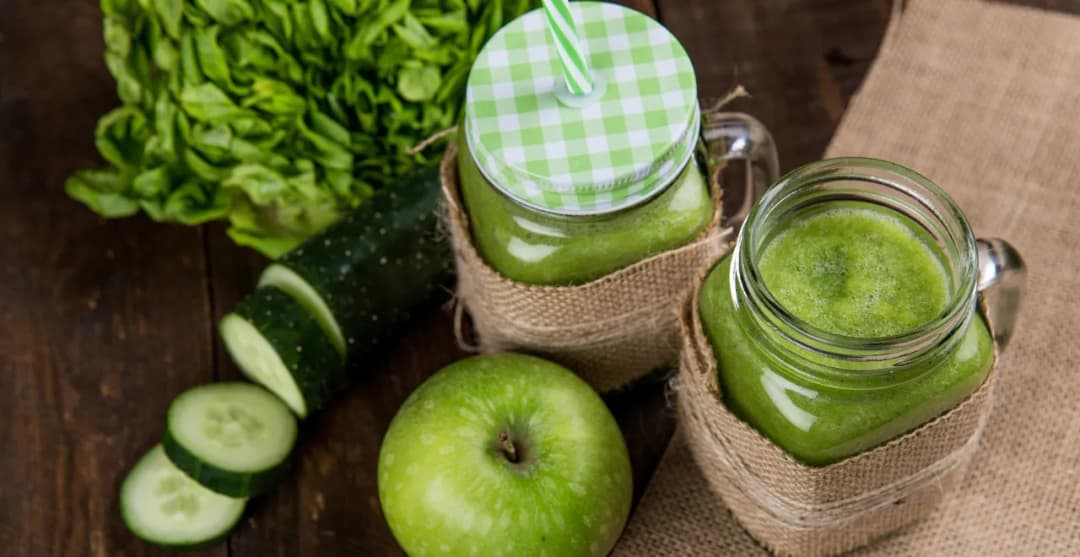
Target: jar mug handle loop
column 734, row 136
column 1001, row 282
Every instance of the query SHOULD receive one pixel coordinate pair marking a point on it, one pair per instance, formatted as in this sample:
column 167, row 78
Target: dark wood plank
column 643, row 6
column 101, row 323
column 801, row 60
column 329, row 503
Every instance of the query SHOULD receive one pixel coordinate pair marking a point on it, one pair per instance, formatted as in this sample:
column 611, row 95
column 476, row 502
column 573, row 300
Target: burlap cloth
column 611, row 331
column 985, row 100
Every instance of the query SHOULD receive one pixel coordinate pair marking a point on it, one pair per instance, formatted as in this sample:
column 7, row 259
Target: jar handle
column 731, row 136
column 1001, row 282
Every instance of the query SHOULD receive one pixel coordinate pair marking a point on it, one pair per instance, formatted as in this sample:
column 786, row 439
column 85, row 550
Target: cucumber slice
column 163, row 506
column 289, row 282
column 276, row 343
column 361, row 276
column 233, row 438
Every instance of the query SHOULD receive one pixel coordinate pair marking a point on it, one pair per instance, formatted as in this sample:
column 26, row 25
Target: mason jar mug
column 562, row 190
column 849, row 311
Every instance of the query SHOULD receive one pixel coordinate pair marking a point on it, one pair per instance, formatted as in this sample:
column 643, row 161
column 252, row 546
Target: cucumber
column 363, row 275
column 233, row 438
column 275, row 342
column 163, row 506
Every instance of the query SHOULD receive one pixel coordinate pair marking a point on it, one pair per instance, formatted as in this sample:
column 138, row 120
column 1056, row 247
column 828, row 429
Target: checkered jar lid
column 609, row 150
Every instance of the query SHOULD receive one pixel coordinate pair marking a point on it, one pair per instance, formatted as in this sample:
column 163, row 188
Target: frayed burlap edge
column 793, row 509
column 611, row 331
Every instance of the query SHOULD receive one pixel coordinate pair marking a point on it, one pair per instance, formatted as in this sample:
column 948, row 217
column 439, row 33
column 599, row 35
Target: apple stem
column 508, row 447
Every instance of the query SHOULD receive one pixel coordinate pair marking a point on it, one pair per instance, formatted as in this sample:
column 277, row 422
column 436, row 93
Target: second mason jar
column 563, row 189
column 847, row 314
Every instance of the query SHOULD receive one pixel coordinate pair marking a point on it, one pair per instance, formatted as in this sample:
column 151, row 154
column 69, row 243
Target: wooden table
column 102, row 322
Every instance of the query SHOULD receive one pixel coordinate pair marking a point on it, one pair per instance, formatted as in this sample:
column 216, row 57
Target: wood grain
column 800, row 60
column 89, row 405
column 121, row 318
column 103, row 322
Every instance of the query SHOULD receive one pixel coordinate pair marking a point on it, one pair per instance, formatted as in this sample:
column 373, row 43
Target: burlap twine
column 611, row 331
column 984, row 99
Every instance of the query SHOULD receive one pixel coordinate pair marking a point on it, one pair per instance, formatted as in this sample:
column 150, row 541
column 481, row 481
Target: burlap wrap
column 611, row 331
column 795, row 509
column 983, row 98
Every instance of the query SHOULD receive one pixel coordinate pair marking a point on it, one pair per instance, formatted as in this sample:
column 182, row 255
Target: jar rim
column 662, row 172
column 696, row 155
column 884, row 355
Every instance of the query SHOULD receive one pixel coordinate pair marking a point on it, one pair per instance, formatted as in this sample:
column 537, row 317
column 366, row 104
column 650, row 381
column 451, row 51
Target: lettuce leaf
column 276, row 115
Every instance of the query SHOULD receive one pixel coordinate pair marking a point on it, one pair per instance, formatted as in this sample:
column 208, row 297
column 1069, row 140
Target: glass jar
column 822, row 376
column 562, row 190
column 533, row 246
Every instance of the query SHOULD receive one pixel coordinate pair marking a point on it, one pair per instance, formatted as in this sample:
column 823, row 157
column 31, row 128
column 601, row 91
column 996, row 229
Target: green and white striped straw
column 574, row 65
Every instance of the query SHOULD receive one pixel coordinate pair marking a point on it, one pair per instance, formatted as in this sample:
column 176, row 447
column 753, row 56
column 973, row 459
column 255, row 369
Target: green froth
column 856, row 270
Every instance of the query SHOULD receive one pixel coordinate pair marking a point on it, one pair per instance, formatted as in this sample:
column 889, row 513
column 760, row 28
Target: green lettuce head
column 277, row 115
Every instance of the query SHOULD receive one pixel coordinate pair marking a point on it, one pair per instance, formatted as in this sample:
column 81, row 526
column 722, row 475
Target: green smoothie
column 856, row 270
column 537, row 248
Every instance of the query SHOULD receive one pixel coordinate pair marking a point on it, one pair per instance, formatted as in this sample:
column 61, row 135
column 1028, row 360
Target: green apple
column 505, row 454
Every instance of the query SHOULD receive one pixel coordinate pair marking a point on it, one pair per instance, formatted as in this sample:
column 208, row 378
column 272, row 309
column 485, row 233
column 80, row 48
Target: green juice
column 855, row 270
column 859, row 271
column 535, row 248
